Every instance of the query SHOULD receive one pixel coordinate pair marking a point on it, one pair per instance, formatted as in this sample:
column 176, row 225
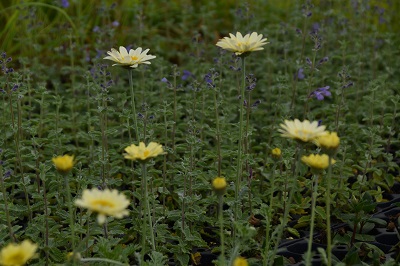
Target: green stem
column 313, row 204
column 328, row 213
column 46, row 214
column 269, row 217
column 71, row 214
column 221, row 228
column 147, row 206
column 288, row 201
column 240, row 141
column 310, row 84
column 3, row 190
column 218, row 133
column 133, row 104
column 103, row 260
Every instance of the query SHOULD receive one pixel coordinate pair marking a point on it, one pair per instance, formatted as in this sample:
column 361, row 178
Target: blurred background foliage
column 45, row 28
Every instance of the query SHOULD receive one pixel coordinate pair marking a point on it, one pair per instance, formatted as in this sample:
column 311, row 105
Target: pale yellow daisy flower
column 132, row 59
column 143, row 152
column 243, row 44
column 105, row 203
column 302, row 131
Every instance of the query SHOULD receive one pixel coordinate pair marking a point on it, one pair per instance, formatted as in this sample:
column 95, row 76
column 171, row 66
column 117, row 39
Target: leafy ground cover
column 201, row 157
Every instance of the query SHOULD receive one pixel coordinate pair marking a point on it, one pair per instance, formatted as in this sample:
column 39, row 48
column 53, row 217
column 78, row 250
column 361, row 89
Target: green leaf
column 293, row 231
column 183, row 258
column 321, row 212
column 364, row 238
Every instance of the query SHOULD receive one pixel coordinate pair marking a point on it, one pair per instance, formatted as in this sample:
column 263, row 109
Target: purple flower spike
column 64, row 3
column 321, row 93
column 187, row 74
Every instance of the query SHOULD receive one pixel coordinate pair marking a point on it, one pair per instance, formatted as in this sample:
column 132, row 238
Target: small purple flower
column 207, row 79
column 300, row 74
column 115, row 23
column 96, row 29
column 348, row 85
column 308, row 61
column 8, row 173
column 298, row 31
column 315, row 27
column 256, row 103
column 15, row 87
column 186, row 75
column 3, row 55
column 323, row 60
column 165, row 80
column 321, row 93
column 64, row 3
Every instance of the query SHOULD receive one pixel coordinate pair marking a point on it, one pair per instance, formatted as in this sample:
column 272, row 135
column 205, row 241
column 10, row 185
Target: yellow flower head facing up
column 302, row 131
column 329, row 141
column 219, row 184
column 63, row 163
column 317, row 161
column 143, row 152
column 239, row 261
column 17, row 254
column 242, row 44
column 276, row 153
column 132, row 59
column 105, row 203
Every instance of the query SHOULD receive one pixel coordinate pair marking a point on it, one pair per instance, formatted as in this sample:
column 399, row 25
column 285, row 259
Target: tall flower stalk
column 8, row 218
column 143, row 153
column 134, row 115
column 313, row 204
column 219, row 186
column 329, row 144
column 130, row 60
column 317, row 163
column 64, row 164
column 242, row 46
column 147, row 206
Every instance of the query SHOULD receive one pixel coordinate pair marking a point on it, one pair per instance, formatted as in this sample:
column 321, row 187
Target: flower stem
column 240, row 141
column 287, row 199
column 269, row 217
column 70, row 211
column 46, row 214
column 133, row 104
column 328, row 213
column 221, row 228
column 3, row 190
column 147, row 206
column 103, row 260
column 218, row 132
column 313, row 204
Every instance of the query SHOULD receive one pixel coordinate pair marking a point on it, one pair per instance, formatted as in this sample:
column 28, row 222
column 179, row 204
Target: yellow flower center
column 103, row 203
column 302, row 133
column 134, row 57
column 146, row 153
